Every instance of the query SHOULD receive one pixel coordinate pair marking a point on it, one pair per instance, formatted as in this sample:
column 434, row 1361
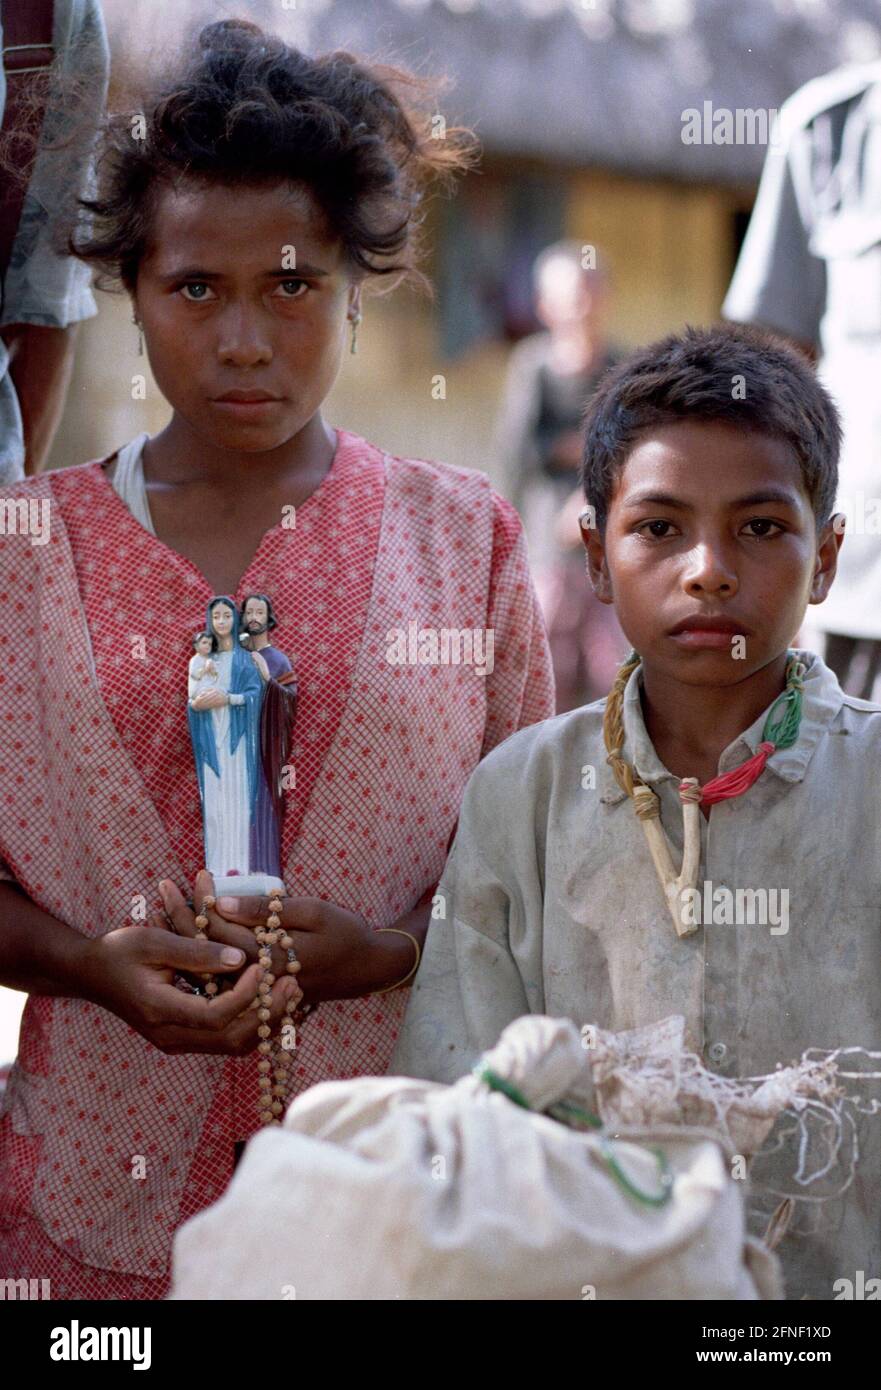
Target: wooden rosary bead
column 201, row 922
column 211, row 989
column 208, row 901
column 268, row 936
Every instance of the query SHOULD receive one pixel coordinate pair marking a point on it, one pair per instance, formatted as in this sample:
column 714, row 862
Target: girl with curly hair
column 244, row 210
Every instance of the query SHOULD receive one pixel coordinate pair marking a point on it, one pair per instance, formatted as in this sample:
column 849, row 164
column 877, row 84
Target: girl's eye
column 655, row 529
column 195, row 286
column 286, row 285
column 765, row 525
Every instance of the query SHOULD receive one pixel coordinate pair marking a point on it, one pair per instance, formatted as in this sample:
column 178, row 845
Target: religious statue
column 203, row 674
column 241, row 719
column 277, row 716
column 242, row 701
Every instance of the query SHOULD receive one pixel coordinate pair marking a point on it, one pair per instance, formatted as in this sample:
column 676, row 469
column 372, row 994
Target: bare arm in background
column 41, row 365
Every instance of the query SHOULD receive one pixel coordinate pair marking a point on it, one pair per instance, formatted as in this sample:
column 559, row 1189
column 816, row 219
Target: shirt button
column 717, row 1052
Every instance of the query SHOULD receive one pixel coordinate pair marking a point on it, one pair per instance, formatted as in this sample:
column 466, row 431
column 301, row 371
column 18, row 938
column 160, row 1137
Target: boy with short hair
column 710, row 472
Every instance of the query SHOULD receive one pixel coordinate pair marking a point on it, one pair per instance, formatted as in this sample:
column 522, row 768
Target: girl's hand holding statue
column 340, row 955
column 131, row 972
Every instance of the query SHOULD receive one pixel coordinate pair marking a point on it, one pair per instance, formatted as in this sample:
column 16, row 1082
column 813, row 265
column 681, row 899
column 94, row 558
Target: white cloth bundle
column 382, row 1188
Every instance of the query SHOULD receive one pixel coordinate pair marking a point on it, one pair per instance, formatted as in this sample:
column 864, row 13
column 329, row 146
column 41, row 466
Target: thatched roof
column 601, row 82
column 587, row 82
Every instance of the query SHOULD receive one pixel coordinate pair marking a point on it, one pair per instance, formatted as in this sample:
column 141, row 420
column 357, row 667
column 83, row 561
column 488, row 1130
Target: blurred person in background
column 46, row 141
column 810, row 268
column 551, row 376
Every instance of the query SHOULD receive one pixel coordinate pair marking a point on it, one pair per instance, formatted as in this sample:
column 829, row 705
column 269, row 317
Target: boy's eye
column 656, row 529
column 196, row 286
column 764, row 525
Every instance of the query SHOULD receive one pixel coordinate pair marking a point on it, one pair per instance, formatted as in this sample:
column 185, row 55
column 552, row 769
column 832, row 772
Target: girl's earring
column 140, row 336
column 355, row 319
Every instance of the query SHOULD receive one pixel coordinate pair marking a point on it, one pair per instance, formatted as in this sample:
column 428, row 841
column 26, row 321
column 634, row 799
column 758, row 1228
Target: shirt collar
column 822, row 698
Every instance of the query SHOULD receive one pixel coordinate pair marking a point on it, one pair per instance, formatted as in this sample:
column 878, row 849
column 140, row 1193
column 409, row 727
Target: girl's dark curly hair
column 249, row 110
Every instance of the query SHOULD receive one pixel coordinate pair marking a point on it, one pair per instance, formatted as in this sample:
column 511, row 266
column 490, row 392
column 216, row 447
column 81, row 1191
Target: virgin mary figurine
column 224, row 725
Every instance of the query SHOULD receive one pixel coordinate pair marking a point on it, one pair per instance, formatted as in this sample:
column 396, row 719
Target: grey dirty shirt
column 553, row 906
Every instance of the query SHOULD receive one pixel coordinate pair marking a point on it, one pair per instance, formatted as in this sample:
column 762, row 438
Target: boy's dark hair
column 694, row 376
column 248, row 110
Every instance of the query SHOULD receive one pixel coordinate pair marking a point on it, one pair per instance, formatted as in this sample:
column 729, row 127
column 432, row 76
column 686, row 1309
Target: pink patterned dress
column 100, row 801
